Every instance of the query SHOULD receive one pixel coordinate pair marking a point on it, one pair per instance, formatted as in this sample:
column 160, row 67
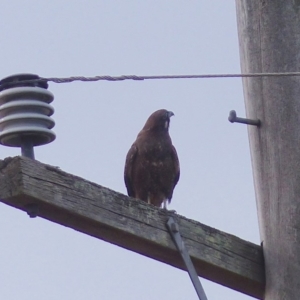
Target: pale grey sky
column 96, row 124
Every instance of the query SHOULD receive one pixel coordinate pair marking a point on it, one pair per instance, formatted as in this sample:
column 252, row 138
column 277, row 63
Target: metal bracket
column 174, row 231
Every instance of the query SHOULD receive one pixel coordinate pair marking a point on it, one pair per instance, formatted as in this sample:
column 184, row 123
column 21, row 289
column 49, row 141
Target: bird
column 152, row 167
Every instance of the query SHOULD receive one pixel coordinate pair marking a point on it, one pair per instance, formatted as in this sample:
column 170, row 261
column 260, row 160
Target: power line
column 5, row 84
column 134, row 77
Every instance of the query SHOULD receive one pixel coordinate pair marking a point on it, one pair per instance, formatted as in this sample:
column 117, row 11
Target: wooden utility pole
column 269, row 38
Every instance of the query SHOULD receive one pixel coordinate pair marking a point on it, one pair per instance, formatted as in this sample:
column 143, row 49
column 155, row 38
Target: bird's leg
column 165, row 204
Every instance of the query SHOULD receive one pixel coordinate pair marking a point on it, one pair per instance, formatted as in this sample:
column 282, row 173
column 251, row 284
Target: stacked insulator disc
column 25, row 111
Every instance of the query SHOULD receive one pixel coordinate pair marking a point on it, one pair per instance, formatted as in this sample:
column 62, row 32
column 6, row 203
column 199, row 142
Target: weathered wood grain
column 132, row 224
column 269, row 38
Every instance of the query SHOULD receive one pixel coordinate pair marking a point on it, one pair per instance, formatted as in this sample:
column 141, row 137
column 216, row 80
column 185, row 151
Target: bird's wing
column 130, row 159
column 176, row 165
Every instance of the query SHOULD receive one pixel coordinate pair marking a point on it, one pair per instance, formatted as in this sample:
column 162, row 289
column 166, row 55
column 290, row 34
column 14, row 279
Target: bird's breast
column 158, row 163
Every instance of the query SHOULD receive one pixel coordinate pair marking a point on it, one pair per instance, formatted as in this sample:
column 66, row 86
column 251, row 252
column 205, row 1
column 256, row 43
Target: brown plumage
column 152, row 166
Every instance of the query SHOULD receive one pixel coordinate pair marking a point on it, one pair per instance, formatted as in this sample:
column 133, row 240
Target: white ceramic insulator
column 25, row 114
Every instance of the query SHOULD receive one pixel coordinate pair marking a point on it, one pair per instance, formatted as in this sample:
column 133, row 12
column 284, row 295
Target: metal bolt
column 27, row 148
column 234, row 119
column 32, row 210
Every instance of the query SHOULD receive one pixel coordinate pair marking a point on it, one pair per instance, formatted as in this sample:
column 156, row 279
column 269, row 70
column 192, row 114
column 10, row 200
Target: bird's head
column 159, row 120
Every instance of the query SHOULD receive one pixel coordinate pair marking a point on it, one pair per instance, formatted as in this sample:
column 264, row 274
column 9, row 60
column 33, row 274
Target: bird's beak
column 170, row 114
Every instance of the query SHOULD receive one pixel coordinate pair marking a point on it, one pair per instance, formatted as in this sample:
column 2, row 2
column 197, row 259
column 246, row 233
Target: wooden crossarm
column 132, row 224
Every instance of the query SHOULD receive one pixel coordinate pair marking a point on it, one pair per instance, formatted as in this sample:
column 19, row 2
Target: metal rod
column 27, row 149
column 234, row 119
column 174, row 231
